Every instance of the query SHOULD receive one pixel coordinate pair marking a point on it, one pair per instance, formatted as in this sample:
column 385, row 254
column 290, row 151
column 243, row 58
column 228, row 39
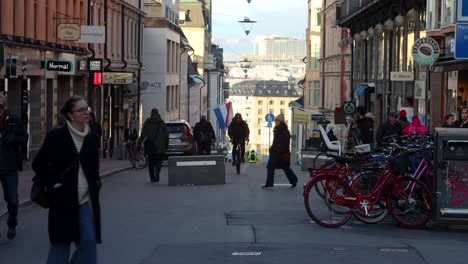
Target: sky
column 274, row 18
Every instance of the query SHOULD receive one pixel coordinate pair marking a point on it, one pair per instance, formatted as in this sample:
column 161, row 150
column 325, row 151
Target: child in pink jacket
column 415, row 127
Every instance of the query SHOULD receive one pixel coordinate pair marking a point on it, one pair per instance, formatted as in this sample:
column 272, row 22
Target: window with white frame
column 448, row 16
column 430, row 14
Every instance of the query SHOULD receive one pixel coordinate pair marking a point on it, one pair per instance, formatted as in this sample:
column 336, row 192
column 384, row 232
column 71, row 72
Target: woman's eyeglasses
column 82, row 110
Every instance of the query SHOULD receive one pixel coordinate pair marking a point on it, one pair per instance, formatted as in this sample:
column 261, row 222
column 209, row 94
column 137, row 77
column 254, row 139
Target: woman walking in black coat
column 279, row 154
column 68, row 166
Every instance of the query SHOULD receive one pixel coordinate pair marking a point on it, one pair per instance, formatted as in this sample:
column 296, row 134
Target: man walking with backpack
column 204, row 135
column 156, row 140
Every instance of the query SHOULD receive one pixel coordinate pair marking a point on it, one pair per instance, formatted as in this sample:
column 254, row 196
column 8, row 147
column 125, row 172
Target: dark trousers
column 204, row 148
column 234, row 149
column 288, row 171
column 9, row 181
column 154, row 166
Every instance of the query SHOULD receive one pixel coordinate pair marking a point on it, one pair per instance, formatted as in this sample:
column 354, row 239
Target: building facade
column 449, row 76
column 311, row 84
column 279, row 47
column 380, row 37
column 162, row 49
column 254, row 100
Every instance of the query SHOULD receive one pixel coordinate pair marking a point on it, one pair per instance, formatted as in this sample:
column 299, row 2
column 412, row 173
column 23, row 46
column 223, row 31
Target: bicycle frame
column 364, row 203
column 424, row 169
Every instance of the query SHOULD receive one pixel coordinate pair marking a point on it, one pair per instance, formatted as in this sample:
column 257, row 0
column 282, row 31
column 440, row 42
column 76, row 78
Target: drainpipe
column 123, row 38
column 139, row 68
column 93, row 55
column 323, row 59
column 109, row 62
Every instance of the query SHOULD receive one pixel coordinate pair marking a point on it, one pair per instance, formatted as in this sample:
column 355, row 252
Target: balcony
column 351, row 10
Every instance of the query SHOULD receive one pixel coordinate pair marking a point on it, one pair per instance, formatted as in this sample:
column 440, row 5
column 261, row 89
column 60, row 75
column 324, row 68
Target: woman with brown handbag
column 279, row 154
column 68, row 166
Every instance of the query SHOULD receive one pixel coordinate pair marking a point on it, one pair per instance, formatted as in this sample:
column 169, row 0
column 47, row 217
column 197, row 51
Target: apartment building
column 312, row 90
column 41, row 65
column 449, row 76
column 380, row 37
column 279, row 47
column 163, row 46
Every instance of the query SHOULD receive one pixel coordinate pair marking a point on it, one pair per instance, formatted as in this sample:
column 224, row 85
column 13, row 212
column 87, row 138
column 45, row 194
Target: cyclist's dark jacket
column 387, row 129
column 238, row 131
column 366, row 130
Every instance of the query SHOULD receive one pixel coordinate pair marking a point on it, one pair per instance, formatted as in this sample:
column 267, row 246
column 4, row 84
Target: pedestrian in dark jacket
column 280, row 155
column 449, row 120
column 365, row 126
column 204, row 135
column 388, row 129
column 238, row 132
column 68, row 166
column 13, row 136
column 463, row 121
column 155, row 136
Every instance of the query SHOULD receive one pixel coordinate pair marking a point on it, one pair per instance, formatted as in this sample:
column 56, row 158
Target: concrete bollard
column 196, row 170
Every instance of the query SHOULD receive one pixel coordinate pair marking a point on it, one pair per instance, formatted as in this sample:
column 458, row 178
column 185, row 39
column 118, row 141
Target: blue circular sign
column 270, row 117
column 269, row 124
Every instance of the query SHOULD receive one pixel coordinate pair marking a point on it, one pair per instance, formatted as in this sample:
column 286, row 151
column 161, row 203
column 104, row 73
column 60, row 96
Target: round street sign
column 270, row 117
column 425, row 51
column 349, row 107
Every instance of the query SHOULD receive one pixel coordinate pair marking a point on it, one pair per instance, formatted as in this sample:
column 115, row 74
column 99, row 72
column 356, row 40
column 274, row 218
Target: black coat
column 459, row 124
column 207, row 129
column 366, row 130
column 56, row 162
column 386, row 129
column 279, row 148
column 14, row 136
column 238, row 131
column 155, row 136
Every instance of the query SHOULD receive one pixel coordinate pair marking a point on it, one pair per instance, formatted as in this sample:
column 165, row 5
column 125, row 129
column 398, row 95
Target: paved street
column 238, row 222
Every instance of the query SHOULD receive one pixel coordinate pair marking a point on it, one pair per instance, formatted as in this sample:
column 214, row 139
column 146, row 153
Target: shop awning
column 362, row 88
column 446, row 64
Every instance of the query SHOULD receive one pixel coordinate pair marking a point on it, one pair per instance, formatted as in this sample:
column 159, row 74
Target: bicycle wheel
column 323, row 210
column 318, row 161
column 362, row 184
column 409, row 202
column 140, row 160
column 132, row 159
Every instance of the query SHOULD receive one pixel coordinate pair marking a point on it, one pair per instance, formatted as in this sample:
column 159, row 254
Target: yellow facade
column 253, row 110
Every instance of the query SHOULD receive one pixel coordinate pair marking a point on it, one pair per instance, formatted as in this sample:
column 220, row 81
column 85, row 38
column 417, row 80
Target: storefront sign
column 68, row 32
column 93, row 34
column 461, row 41
column 425, row 51
column 300, row 117
column 117, row 78
column 57, row 65
column 401, row 76
column 95, row 65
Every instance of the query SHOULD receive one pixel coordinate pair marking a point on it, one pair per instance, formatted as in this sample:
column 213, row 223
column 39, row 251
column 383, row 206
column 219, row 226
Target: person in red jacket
column 415, row 127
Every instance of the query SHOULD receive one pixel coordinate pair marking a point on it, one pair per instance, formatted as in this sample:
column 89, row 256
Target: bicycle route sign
column 349, row 107
column 270, row 117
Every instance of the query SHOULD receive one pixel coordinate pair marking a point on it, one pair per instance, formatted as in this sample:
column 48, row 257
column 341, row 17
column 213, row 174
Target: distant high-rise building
column 279, row 47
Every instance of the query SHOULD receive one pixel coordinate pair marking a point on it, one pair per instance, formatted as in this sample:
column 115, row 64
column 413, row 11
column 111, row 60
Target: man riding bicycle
column 238, row 132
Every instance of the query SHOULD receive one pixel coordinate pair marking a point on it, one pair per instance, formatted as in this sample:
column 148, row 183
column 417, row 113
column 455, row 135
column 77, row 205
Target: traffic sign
column 270, row 117
column 461, row 41
column 269, row 124
column 462, row 11
column 349, row 107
